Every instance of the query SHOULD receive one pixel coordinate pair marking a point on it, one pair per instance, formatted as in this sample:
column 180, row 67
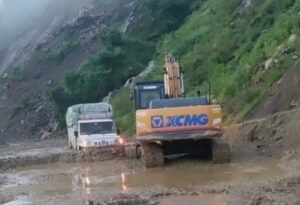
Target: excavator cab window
column 144, row 93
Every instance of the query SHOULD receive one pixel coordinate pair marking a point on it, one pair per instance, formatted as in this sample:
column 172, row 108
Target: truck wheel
column 152, row 154
column 131, row 151
column 70, row 145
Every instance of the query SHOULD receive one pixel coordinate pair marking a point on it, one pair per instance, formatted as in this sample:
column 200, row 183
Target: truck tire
column 70, row 145
column 131, row 151
column 152, row 154
column 220, row 151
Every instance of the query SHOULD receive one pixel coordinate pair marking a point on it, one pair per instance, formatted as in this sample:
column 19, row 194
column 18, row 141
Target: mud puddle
column 194, row 200
column 69, row 183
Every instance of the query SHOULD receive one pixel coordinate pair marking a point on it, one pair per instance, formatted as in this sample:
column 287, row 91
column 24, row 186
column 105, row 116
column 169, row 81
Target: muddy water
column 68, row 183
column 194, row 200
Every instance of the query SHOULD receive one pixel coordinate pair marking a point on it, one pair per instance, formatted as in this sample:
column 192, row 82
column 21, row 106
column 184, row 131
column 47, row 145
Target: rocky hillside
column 38, row 60
column 75, row 57
column 83, row 52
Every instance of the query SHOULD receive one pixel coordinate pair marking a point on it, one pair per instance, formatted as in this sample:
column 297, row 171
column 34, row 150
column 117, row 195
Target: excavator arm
column 173, row 78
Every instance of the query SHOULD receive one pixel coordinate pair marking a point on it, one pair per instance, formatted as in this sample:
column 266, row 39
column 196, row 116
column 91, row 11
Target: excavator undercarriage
column 215, row 150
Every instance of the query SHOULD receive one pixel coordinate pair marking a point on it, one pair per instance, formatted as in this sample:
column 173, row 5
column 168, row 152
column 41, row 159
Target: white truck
column 91, row 126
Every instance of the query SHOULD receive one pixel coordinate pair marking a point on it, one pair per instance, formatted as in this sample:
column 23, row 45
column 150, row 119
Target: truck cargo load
column 88, row 111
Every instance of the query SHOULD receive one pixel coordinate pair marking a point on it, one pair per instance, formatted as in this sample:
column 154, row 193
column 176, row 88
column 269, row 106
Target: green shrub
column 119, row 59
column 227, row 44
column 124, row 114
column 17, row 73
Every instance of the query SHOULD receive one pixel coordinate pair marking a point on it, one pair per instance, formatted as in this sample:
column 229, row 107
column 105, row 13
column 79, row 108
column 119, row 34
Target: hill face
column 242, row 47
column 40, row 58
column 82, row 53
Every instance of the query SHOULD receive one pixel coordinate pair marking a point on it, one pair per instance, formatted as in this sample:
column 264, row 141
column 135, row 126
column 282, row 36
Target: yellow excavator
column 167, row 123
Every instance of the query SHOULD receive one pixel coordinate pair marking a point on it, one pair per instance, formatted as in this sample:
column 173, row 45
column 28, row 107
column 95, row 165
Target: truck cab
column 97, row 133
column 91, row 126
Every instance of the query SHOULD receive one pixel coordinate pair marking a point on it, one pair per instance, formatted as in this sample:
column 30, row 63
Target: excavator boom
column 173, row 78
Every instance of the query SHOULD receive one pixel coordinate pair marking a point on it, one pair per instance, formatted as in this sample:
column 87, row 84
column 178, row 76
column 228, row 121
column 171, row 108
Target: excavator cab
column 146, row 92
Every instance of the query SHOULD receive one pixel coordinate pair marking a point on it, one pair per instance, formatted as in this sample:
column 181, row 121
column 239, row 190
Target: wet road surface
column 68, row 183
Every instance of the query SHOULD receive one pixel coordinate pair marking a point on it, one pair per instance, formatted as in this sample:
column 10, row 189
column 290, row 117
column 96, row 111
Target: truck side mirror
column 76, row 133
column 118, row 131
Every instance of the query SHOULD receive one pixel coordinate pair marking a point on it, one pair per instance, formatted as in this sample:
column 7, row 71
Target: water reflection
column 124, row 182
column 78, row 180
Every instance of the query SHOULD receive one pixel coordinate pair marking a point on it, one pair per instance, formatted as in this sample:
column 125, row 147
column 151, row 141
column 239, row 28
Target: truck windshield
column 91, row 128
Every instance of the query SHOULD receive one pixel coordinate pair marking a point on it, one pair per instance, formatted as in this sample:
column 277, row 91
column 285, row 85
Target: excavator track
column 152, row 154
column 220, row 151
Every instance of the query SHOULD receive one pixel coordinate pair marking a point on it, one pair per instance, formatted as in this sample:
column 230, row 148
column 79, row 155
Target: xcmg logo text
column 158, row 121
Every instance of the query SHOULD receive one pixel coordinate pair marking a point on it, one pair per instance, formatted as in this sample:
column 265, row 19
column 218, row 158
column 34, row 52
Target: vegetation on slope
column 243, row 50
column 119, row 59
column 231, row 52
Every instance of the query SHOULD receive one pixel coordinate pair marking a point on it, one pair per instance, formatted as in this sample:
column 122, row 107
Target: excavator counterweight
column 168, row 123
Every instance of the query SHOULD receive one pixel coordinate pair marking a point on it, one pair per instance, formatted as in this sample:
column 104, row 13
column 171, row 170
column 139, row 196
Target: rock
column 247, row 3
column 293, row 104
column 39, row 108
column 292, row 38
column 89, row 203
column 37, row 75
column 45, row 135
column 278, row 137
column 4, row 75
column 50, row 82
column 268, row 63
column 286, row 51
column 194, row 194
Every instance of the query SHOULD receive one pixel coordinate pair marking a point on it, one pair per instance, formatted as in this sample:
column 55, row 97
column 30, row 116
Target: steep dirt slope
column 23, row 111
column 284, row 95
column 275, row 135
column 27, row 33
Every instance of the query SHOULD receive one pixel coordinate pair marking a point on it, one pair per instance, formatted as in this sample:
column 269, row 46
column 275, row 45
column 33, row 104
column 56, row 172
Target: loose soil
column 264, row 170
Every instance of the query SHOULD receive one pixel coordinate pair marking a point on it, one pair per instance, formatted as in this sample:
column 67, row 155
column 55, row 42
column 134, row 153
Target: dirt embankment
column 30, row 153
column 269, row 136
column 284, row 96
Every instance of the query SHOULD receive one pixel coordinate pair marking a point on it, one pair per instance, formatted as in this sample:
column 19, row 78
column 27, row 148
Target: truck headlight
column 121, row 141
column 85, row 143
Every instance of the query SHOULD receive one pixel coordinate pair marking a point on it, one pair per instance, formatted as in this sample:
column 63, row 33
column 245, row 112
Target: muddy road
column 69, row 183
column 264, row 170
